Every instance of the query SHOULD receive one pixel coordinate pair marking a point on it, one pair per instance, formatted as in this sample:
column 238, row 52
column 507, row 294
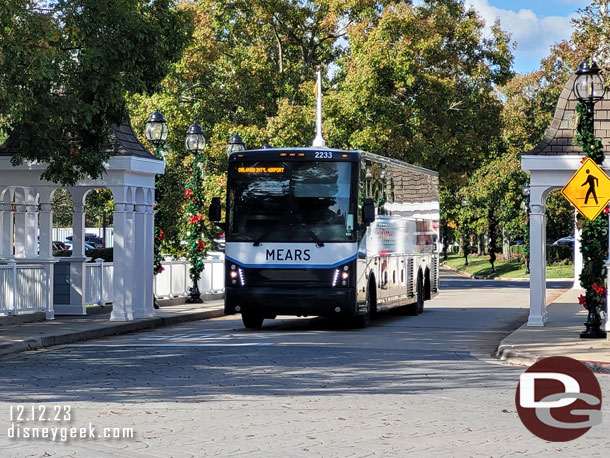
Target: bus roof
column 309, row 154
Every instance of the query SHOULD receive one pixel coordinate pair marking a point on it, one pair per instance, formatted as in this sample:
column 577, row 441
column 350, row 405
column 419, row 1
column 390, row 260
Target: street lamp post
column 526, row 194
column 589, row 89
column 195, row 143
column 156, row 132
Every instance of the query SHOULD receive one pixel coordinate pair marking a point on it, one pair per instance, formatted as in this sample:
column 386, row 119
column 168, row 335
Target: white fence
column 174, row 281
column 23, row 288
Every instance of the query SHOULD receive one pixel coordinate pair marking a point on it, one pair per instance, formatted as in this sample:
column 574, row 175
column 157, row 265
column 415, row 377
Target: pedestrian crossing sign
column 588, row 190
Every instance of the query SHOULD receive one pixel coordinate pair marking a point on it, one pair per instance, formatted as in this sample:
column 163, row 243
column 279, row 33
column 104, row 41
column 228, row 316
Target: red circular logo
column 559, row 399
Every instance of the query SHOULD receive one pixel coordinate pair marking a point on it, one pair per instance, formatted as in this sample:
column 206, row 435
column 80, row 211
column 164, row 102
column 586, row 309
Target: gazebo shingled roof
column 559, row 137
column 122, row 142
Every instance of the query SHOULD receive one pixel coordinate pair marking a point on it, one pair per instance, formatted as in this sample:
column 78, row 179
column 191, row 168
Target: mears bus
column 333, row 233
column 316, row 231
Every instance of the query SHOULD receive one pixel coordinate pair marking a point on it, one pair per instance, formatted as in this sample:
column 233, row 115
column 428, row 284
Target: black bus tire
column 252, row 321
column 419, row 306
column 362, row 321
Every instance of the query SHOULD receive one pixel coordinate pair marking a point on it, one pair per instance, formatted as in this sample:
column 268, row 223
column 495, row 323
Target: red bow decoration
column 582, row 300
column 201, row 245
column 599, row 289
column 188, row 192
column 195, row 218
column 583, row 160
column 161, row 235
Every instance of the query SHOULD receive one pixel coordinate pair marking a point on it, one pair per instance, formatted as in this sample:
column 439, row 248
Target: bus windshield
column 288, row 201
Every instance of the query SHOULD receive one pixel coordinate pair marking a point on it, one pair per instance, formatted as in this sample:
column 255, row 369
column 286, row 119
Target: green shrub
column 554, row 253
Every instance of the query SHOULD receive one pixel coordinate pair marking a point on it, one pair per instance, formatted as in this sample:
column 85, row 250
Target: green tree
column 65, row 67
column 418, row 85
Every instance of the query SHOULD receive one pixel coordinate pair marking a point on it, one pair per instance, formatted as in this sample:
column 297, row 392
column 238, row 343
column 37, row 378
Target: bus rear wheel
column 418, row 307
column 252, row 321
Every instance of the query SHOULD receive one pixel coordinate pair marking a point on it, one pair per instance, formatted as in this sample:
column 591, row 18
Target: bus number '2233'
column 323, row 155
column 287, row 255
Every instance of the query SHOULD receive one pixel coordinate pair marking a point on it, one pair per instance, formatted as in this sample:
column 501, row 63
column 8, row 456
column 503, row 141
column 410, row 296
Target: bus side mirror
column 368, row 211
column 214, row 210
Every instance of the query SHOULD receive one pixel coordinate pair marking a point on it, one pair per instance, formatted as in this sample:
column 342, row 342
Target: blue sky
column 534, row 24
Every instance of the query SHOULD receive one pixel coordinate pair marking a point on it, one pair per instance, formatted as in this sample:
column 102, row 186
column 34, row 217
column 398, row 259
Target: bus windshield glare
column 288, row 201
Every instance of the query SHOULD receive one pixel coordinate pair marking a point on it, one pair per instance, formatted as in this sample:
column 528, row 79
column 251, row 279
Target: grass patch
column 480, row 266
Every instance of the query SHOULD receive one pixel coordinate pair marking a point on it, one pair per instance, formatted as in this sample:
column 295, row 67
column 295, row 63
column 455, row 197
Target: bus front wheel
column 362, row 321
column 252, row 321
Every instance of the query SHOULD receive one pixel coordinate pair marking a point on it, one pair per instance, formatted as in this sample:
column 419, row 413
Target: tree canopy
column 66, row 66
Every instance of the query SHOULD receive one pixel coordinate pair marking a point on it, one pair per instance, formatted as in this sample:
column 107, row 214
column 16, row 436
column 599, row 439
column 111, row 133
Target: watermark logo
column 559, row 399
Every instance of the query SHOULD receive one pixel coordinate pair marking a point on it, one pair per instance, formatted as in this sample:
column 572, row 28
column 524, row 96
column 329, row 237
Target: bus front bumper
column 270, row 302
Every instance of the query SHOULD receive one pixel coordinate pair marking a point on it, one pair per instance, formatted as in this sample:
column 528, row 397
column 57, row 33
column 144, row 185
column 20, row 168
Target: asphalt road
column 406, row 386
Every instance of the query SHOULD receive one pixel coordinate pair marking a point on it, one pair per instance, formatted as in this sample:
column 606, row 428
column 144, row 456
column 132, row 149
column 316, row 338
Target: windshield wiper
column 261, row 237
column 311, row 233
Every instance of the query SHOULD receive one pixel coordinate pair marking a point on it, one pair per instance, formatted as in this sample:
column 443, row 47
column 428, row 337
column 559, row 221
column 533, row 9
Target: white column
column 150, row 258
column 78, row 230
column 538, row 314
column 120, row 310
column 31, row 228
column 19, row 216
column 578, row 261
column 131, row 264
column 46, row 226
column 6, row 232
column 141, row 266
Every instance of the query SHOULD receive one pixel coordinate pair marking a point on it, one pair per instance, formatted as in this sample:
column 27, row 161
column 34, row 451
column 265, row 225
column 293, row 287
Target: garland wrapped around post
column 594, row 240
column 196, row 225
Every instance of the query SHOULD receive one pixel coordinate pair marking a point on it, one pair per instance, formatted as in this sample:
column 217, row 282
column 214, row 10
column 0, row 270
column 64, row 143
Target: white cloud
column 534, row 35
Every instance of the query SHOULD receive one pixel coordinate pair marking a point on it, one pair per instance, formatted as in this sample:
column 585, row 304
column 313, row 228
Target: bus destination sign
column 260, row 170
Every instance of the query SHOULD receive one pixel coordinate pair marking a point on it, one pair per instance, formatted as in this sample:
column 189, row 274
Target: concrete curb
column 520, row 358
column 106, row 330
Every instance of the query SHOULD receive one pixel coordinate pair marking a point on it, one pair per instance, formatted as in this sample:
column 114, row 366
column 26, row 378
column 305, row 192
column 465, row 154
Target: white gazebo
column 27, row 267
column 551, row 165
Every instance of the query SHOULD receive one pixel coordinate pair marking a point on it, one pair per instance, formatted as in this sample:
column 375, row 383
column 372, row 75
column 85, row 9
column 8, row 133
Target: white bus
column 323, row 232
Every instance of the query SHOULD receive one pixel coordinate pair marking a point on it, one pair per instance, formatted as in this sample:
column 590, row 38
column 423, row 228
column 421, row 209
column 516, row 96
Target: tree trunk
column 505, row 245
column 481, row 247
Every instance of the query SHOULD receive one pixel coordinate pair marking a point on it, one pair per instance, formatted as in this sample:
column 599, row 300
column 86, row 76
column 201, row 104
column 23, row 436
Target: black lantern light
column 195, row 141
column 589, row 84
column 156, row 130
column 236, row 145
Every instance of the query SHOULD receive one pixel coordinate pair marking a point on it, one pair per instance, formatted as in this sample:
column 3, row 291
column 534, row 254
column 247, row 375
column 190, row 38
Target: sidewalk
column 69, row 329
column 560, row 337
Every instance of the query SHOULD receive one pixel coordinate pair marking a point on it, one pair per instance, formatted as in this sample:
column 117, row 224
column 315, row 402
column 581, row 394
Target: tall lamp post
column 589, row 89
column 526, row 194
column 195, row 143
column 156, row 132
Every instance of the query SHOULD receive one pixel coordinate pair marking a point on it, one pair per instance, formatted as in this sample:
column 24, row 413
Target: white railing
column 24, row 288
column 174, row 281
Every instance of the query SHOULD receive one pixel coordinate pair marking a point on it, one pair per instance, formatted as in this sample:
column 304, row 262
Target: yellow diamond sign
column 588, row 190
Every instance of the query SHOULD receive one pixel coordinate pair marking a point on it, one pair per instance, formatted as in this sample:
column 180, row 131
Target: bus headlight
column 336, row 277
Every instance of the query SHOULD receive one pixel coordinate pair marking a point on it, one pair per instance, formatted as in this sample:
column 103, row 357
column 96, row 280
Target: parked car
column 91, row 239
column 569, row 240
column 88, row 246
column 59, row 246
